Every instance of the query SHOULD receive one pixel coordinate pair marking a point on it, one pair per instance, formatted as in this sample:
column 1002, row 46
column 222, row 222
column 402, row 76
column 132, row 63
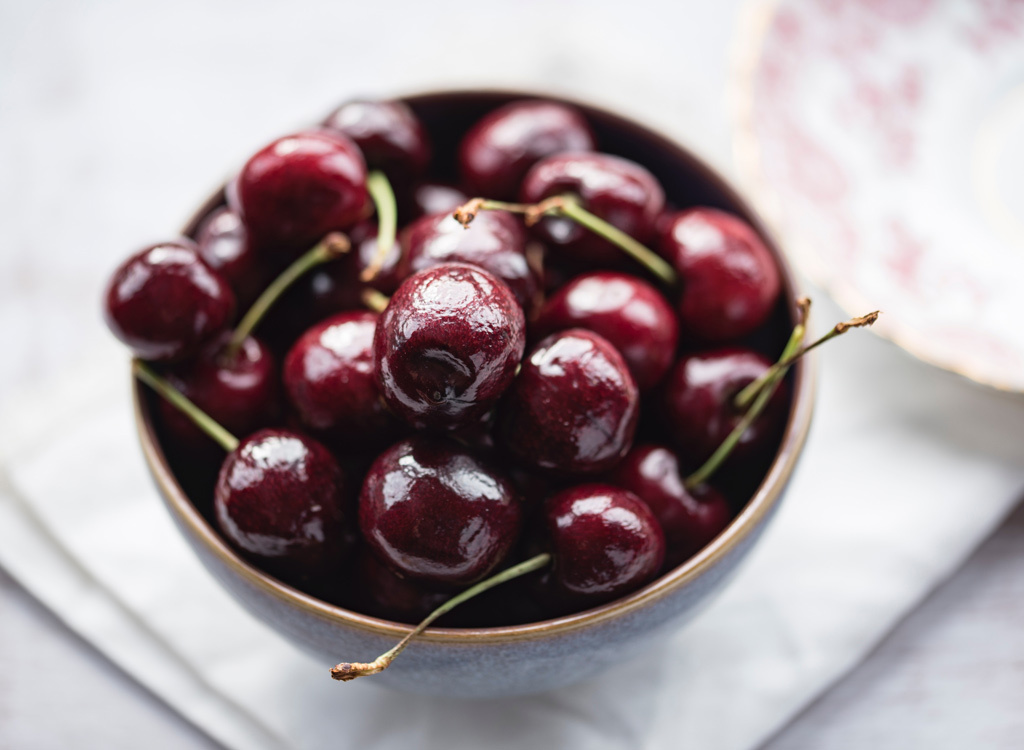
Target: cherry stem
column 330, row 247
column 747, row 395
column 569, row 206
column 176, row 398
column 715, row 461
column 387, row 222
column 375, row 300
column 346, row 671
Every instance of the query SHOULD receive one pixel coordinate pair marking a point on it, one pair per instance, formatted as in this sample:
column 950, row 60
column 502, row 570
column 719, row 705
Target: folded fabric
column 906, row 470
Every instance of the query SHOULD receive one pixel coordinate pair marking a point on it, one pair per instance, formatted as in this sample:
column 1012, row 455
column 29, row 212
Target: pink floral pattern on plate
column 883, row 138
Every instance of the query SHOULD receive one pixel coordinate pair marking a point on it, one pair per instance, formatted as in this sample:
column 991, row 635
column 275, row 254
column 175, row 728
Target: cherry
column 689, row 518
column 634, row 317
column 436, row 198
column 447, row 346
column 605, row 542
column 279, row 500
column 224, row 246
column 730, row 281
column 498, row 151
column 435, row 513
column 381, row 592
column 573, row 408
column 496, row 242
column 616, row 190
column 700, row 402
column 239, row 389
column 165, row 304
column 388, row 133
column 328, row 376
column 299, row 188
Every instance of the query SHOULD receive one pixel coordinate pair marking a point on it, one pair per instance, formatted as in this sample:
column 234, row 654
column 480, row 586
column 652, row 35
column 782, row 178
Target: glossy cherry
column 573, row 408
column 166, row 304
column 699, row 403
column 447, row 346
column 224, row 246
column 730, row 281
column 328, row 377
column 388, row 133
column 239, row 390
column 434, row 512
column 617, row 190
column 300, row 187
column 689, row 518
column 498, row 151
column 630, row 313
column 495, row 241
column 279, row 500
column 605, row 541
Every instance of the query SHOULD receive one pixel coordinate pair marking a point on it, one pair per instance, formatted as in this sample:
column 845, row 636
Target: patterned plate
column 884, row 139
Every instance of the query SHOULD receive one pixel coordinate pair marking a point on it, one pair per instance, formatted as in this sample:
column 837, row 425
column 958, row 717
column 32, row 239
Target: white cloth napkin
column 906, row 470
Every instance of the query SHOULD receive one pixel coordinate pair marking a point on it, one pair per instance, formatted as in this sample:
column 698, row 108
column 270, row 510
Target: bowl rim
column 764, row 500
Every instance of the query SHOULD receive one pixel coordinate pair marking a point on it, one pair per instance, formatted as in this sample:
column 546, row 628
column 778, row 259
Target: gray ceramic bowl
column 490, row 662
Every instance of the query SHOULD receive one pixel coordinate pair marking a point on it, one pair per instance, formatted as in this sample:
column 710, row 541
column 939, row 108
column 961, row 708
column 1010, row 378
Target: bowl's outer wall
column 469, row 670
column 549, row 658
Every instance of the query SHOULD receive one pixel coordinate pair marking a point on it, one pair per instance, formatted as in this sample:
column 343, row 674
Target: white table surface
column 91, row 93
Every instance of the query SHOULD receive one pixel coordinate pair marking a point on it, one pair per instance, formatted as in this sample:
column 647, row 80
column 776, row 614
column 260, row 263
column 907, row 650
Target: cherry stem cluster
column 176, row 398
column 570, row 207
column 346, row 671
column 758, row 393
column 387, row 222
column 330, row 247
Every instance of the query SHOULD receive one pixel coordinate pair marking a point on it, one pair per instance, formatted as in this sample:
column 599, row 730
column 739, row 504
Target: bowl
column 540, row 656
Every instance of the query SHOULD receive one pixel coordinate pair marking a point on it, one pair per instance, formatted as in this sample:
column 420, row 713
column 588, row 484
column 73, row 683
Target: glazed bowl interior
column 687, row 181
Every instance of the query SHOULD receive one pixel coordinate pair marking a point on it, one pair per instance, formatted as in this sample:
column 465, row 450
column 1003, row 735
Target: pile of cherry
column 538, row 387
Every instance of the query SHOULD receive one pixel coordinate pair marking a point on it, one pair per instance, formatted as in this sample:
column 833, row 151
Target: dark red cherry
column 699, row 411
column 690, row 519
column 224, row 246
column 495, row 242
column 617, row 190
column 498, row 151
column 435, row 513
column 166, row 304
column 279, row 500
column 299, row 188
column 436, row 198
column 573, row 408
column 238, row 390
column 328, row 376
column 729, row 279
column 380, row 592
column 447, row 346
column 634, row 317
column 388, row 133
column 605, row 542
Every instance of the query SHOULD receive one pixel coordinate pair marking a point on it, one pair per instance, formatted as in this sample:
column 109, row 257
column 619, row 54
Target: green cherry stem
column 330, row 247
column 714, row 462
column 569, row 206
column 346, row 671
column 202, row 420
column 375, row 300
column 745, row 397
column 387, row 222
